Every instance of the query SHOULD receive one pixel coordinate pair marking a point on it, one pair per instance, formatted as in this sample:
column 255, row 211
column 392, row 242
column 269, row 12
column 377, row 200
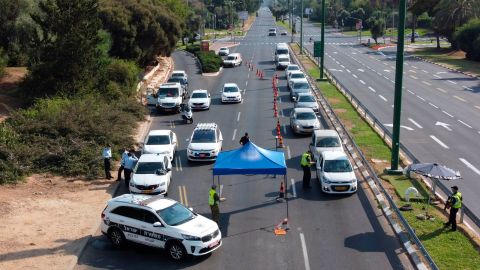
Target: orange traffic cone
column 261, row 74
column 280, row 141
column 257, row 72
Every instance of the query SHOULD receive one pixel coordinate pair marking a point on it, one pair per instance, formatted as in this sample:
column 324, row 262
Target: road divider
column 182, row 192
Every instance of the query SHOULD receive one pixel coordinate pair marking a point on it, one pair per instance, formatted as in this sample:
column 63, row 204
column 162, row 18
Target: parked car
column 335, row 173
column 306, row 100
column 283, row 33
column 290, row 68
column 151, row 175
column 179, row 73
column 232, row 60
column 231, row 93
column 159, row 222
column 303, row 121
column 325, row 140
column 160, row 142
column 200, row 100
column 415, row 34
column 205, row 142
column 223, row 51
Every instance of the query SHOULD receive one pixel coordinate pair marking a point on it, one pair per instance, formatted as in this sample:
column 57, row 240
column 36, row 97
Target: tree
column 3, row 62
column 66, row 52
column 468, row 39
column 377, row 28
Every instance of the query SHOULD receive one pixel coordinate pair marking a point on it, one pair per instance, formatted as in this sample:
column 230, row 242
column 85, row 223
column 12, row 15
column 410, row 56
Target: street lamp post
column 301, row 28
column 322, row 50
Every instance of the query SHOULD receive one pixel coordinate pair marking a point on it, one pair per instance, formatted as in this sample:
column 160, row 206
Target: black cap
column 454, row 187
column 214, row 186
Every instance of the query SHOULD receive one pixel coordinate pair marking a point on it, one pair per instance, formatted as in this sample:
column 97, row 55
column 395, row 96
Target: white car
column 151, row 175
column 232, row 60
column 160, row 142
column 299, row 86
column 205, row 142
column 306, row 100
column 283, row 61
column 295, row 75
column 335, row 173
column 304, row 121
column 179, row 73
column 159, row 222
column 290, row 68
column 325, row 140
column 169, row 97
column 231, row 93
column 200, row 100
column 223, row 51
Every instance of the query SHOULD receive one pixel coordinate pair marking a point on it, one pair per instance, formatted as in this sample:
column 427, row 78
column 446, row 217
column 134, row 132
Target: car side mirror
column 190, row 208
column 208, row 95
column 158, row 172
column 157, row 224
column 169, row 169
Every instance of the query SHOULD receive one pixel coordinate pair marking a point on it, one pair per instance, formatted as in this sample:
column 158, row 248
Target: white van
column 281, row 49
column 283, row 60
column 233, row 60
column 335, row 173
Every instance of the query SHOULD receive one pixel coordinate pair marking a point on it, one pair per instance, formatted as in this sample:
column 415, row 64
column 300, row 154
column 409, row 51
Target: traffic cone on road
column 257, row 72
column 261, row 74
column 280, row 141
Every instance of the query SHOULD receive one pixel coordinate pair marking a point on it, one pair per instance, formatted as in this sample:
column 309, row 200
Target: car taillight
column 103, row 212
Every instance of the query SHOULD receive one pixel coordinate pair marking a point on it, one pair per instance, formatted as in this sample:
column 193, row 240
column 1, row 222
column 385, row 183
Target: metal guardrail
column 387, row 137
column 410, row 231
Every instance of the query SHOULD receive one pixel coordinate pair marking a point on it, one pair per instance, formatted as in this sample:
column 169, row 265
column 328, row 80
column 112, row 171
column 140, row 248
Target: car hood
column 306, row 122
column 235, row 94
column 339, row 176
column 157, row 149
column 164, row 99
column 306, row 104
column 203, row 146
column 319, row 150
column 198, row 100
column 148, row 179
column 199, row 226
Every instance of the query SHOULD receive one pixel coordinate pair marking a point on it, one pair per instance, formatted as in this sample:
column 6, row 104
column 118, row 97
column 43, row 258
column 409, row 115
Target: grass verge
column 450, row 250
column 284, row 25
column 452, row 58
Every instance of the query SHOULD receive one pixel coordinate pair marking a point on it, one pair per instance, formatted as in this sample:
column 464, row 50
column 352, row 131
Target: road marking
column 414, row 67
column 284, row 129
column 413, row 71
column 342, row 66
column 467, row 125
column 386, row 77
column 385, row 64
column 478, row 107
column 180, row 164
column 413, row 77
column 382, row 97
column 441, row 90
column 420, row 97
column 439, row 142
column 445, row 125
column 304, row 249
column 467, row 88
column 415, row 123
column 294, row 190
column 371, row 89
column 234, row 133
column 362, row 82
column 436, row 76
column 459, row 98
column 246, row 83
column 355, row 76
column 172, row 124
column 469, row 165
column 411, row 92
column 433, row 105
column 289, row 156
column 185, row 199
column 238, row 116
column 180, row 194
column 427, row 83
column 176, row 164
column 451, row 82
column 447, row 113
column 348, row 70
column 424, row 71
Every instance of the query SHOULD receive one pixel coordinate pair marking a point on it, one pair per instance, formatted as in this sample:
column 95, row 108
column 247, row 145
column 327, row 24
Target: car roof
column 282, row 45
column 326, row 132
column 179, row 71
column 283, row 55
column 151, row 158
column 298, row 110
column 159, row 132
column 304, row 94
column 234, row 54
column 230, row 85
column 154, row 202
column 200, row 91
column 170, row 84
column 331, row 155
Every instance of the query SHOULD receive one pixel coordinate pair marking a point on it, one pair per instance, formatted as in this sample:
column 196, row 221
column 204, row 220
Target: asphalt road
column 327, row 232
column 440, row 108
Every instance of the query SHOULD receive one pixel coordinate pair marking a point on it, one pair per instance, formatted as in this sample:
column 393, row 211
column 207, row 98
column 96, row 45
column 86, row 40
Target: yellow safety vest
column 458, row 200
column 305, row 159
column 211, row 195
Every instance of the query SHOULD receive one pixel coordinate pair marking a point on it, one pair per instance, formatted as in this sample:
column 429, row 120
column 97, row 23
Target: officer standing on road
column 454, row 202
column 306, row 162
column 107, row 156
column 130, row 161
column 213, row 201
column 245, row 139
column 122, row 164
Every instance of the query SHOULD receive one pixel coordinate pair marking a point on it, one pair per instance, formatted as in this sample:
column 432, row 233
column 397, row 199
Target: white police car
column 151, row 175
column 159, row 222
column 205, row 143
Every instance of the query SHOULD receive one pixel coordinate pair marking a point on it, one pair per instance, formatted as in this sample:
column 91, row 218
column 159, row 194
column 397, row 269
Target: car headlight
column 316, row 125
column 297, row 126
column 353, row 181
column 190, row 237
column 325, row 180
column 161, row 185
column 189, row 151
column 132, row 183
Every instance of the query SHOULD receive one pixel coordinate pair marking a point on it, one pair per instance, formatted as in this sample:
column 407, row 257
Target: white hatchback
column 160, row 142
column 151, row 175
column 205, row 143
column 231, row 93
column 335, row 173
column 200, row 100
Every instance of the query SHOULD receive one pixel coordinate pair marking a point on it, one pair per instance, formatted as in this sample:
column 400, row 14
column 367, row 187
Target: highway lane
column 325, row 230
column 439, row 108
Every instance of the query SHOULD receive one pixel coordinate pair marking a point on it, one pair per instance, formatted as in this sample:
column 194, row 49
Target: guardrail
column 408, row 157
column 390, row 207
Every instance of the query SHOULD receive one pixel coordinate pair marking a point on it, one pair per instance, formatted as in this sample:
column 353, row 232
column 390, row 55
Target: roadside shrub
column 468, row 39
column 122, row 77
column 3, row 62
column 210, row 61
column 193, row 48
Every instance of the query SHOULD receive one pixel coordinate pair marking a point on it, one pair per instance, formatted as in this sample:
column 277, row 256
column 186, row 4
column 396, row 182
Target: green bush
column 193, row 48
column 210, row 61
column 122, row 76
column 3, row 63
column 65, row 136
column 468, row 38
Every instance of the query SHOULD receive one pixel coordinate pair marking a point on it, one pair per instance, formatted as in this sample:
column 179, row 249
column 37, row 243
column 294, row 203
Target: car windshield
column 306, row 116
column 149, row 167
column 158, row 140
column 282, row 51
column 230, row 89
column 175, row 215
column 231, row 58
column 176, row 79
column 301, row 86
column 297, row 76
column 223, row 49
column 340, row 165
column 292, row 68
column 283, row 59
column 199, row 95
column 306, row 99
column 328, row 142
column 203, row 136
column 168, row 92
column 178, row 74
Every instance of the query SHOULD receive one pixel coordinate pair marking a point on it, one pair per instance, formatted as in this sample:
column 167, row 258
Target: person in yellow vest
column 306, row 162
column 454, row 202
column 213, row 201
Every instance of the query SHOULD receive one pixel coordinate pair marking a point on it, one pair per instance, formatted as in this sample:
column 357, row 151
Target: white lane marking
column 413, row 71
column 478, row 107
column 420, row 97
column 436, row 76
column 385, row 64
column 238, row 116
column 180, row 194
column 459, row 98
column 414, row 67
column 469, row 165
column 180, row 164
column 362, row 82
column 451, row 82
column 289, row 155
column 348, row 70
column 355, row 76
column 467, row 88
column 411, row 92
column 433, row 105
column 415, row 123
column 176, row 163
column 447, row 113
column 284, row 129
column 342, row 66
column 427, row 83
column 246, row 83
column 467, row 125
column 424, row 71
column 386, row 77
column 294, row 190
column 392, row 67
column 441, row 90
column 413, row 77
column 439, row 142
column 382, row 97
column 304, row 248
column 371, row 89
column 234, row 133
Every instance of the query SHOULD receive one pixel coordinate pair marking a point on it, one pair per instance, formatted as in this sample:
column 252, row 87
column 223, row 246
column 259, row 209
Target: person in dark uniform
column 454, row 202
column 245, row 139
column 306, row 162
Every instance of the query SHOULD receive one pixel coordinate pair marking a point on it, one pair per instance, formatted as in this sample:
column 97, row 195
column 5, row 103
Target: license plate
column 202, row 155
column 341, row 188
column 147, row 191
column 213, row 244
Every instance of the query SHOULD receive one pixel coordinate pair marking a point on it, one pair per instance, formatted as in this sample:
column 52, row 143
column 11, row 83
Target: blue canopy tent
column 250, row 159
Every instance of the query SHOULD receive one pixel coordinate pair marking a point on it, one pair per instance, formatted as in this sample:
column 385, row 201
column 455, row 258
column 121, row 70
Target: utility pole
column 323, row 40
column 301, row 29
column 397, row 104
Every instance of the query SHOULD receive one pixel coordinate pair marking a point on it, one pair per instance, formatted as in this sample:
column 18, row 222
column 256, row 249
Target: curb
column 213, row 74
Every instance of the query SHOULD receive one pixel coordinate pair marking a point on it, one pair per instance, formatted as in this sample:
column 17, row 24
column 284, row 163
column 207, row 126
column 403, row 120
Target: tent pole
column 286, row 193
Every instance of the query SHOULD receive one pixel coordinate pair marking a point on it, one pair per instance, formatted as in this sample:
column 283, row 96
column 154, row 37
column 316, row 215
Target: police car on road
column 159, row 222
column 151, row 175
column 205, row 143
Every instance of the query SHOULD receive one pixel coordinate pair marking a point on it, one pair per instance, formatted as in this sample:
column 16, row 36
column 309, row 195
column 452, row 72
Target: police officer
column 122, row 164
column 306, row 162
column 107, row 155
column 129, row 164
column 213, row 201
column 245, row 139
column 454, row 202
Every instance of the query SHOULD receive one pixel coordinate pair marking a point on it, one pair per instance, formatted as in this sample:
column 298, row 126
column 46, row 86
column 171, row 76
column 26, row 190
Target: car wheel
column 116, row 236
column 176, row 251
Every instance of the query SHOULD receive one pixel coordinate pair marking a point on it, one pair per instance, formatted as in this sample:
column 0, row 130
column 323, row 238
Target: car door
column 319, row 166
column 152, row 230
column 292, row 118
column 168, row 167
column 313, row 145
column 128, row 219
column 151, row 97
